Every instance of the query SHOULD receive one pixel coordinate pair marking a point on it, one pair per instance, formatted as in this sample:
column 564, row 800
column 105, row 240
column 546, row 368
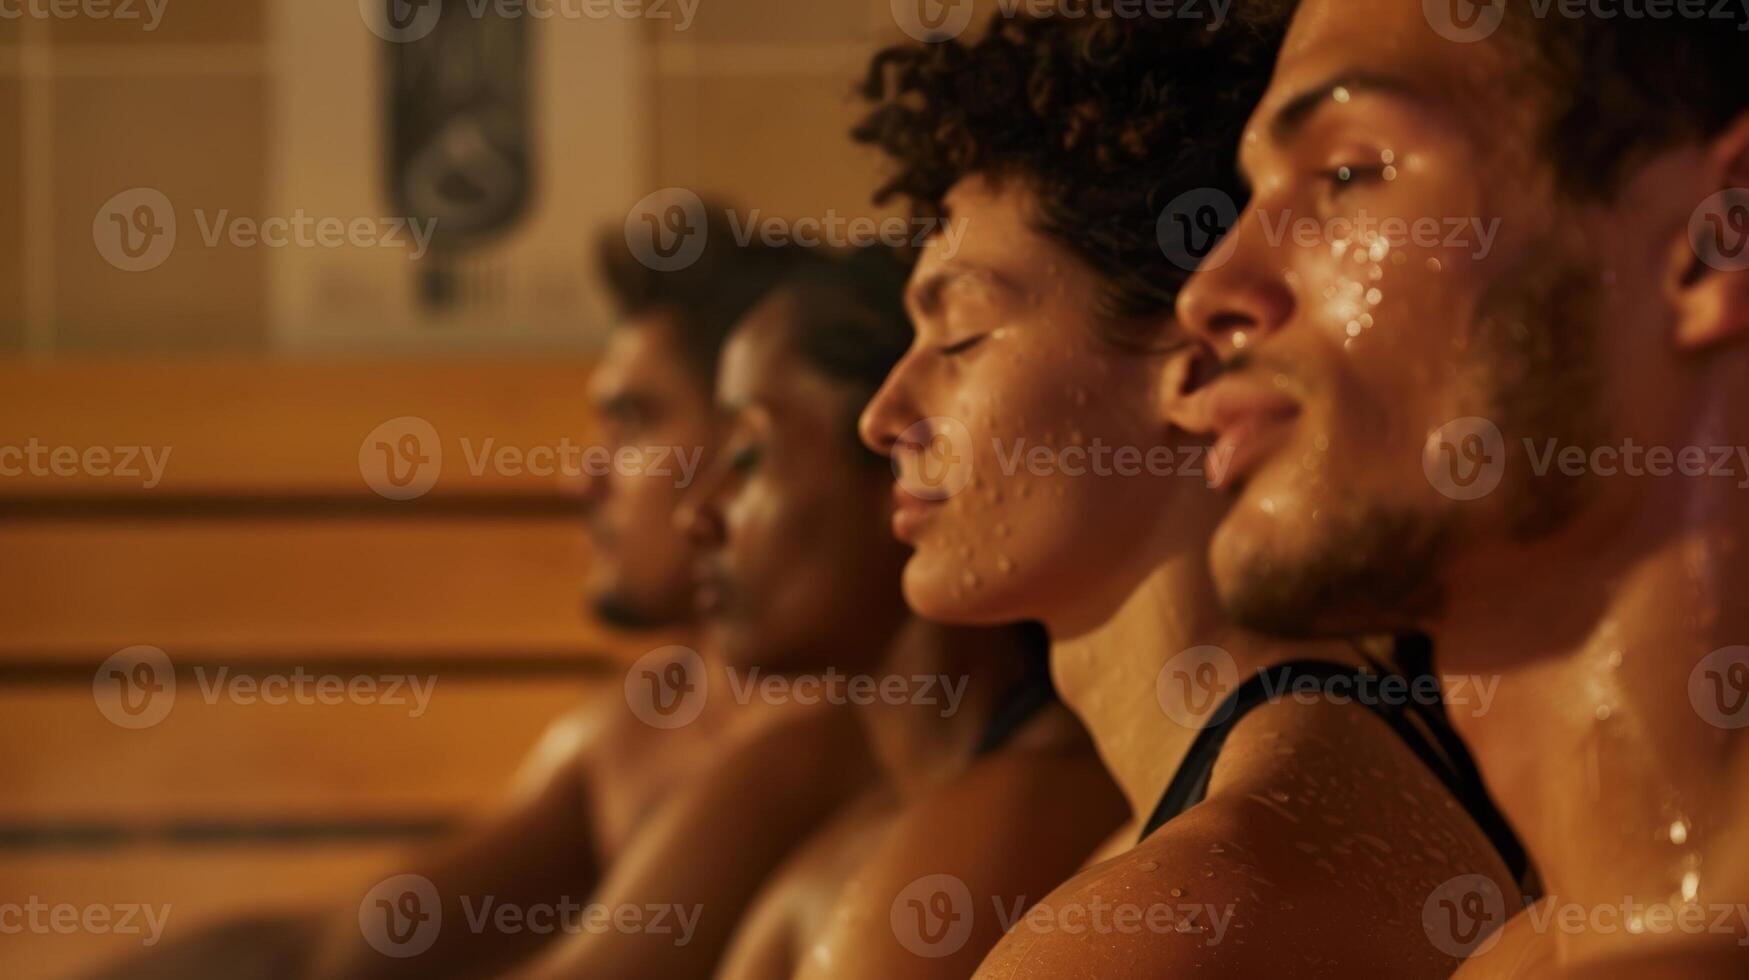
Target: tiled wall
column 90, row 107
column 751, row 102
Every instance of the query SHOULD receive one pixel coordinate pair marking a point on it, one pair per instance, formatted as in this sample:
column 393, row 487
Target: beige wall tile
column 177, row 21
column 779, row 143
column 201, row 142
column 772, row 21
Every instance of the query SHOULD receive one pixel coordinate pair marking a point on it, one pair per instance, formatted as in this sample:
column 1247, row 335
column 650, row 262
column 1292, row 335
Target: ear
column 1707, row 275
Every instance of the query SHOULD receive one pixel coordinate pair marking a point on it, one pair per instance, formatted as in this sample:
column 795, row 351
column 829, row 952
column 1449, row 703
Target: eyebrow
column 924, row 295
column 1293, row 114
column 621, row 401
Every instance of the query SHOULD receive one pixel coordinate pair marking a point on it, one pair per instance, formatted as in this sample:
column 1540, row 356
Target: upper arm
column 978, row 849
column 533, row 849
column 705, row 854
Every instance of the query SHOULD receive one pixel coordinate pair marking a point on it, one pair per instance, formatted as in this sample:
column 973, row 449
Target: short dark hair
column 1617, row 90
column 849, row 319
column 1106, row 121
column 707, row 297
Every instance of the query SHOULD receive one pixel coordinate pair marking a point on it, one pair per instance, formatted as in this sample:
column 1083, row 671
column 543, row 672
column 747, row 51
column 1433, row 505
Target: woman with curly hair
column 1294, row 805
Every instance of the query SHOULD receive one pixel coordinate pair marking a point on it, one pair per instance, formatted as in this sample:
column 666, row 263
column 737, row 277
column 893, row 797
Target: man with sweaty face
column 983, row 788
column 590, row 794
column 1276, row 841
column 1519, row 431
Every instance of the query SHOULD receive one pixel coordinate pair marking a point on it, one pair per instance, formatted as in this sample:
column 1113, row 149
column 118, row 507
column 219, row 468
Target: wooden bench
column 261, row 552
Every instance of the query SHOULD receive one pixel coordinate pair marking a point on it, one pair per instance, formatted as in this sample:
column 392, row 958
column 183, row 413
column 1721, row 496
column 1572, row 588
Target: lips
column 911, row 514
column 708, row 589
column 1249, row 422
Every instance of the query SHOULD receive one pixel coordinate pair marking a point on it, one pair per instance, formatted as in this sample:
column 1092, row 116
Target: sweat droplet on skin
column 1005, row 565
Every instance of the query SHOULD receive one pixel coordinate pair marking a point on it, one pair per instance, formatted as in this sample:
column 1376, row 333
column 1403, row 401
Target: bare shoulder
column 957, row 863
column 1320, row 843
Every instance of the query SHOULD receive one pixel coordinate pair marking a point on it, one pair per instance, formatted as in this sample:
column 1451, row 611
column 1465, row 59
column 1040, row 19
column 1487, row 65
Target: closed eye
column 744, row 460
column 967, row 344
column 1345, row 177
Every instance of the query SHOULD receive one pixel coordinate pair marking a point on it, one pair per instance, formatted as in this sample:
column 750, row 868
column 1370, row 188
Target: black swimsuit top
column 1026, row 699
column 1424, row 730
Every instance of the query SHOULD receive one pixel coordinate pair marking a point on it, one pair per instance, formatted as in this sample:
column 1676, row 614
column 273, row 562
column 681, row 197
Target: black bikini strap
column 1026, row 699
column 1423, row 733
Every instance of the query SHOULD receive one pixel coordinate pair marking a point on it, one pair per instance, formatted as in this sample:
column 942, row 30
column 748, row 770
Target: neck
column 1608, row 744
column 1109, row 673
column 935, row 693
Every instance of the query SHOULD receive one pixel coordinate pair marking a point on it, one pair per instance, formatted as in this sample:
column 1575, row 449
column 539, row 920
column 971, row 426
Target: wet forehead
column 1391, row 44
column 758, row 361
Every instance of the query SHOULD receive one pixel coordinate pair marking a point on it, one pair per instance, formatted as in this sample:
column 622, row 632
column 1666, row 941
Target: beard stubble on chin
column 1374, row 566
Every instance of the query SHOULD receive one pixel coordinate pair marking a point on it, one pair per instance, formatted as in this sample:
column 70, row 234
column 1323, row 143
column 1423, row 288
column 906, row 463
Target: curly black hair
column 1617, row 90
column 707, row 297
column 1105, row 120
